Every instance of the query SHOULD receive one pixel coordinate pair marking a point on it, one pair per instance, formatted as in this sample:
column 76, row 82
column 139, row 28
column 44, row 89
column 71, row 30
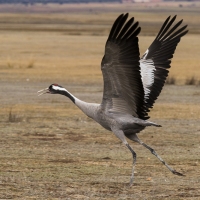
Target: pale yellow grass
column 176, row 111
column 57, row 57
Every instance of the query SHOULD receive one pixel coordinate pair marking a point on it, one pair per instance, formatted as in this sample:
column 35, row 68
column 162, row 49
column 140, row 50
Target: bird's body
column 131, row 84
column 108, row 119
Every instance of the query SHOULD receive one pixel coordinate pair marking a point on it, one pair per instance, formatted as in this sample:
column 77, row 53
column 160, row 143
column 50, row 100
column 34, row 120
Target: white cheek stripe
column 59, row 88
column 62, row 89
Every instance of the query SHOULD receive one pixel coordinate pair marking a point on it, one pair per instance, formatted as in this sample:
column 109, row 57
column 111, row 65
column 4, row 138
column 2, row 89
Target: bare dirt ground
column 50, row 150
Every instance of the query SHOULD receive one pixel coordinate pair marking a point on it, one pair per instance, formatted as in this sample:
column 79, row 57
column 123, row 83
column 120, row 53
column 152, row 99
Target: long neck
column 90, row 109
column 67, row 94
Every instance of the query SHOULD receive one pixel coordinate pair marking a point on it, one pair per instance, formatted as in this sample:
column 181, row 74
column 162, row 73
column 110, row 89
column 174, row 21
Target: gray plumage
column 131, row 84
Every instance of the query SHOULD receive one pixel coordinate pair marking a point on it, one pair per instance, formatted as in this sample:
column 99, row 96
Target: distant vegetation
column 171, row 80
column 31, row 2
column 192, row 81
column 26, row 2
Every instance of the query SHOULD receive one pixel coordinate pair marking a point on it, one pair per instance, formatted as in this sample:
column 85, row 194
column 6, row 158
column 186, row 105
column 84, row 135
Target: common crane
column 131, row 84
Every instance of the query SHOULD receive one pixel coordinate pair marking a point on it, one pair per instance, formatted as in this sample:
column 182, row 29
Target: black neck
column 67, row 94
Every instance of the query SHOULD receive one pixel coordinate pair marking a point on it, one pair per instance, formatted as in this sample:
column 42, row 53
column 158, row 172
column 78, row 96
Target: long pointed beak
column 44, row 91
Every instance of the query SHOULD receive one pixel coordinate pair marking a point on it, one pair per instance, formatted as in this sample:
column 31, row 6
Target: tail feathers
column 157, row 125
column 148, row 123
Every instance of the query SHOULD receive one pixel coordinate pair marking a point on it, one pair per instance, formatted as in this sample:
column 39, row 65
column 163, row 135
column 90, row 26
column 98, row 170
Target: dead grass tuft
column 13, row 118
column 30, row 64
column 171, row 80
column 16, row 118
column 10, row 65
column 191, row 81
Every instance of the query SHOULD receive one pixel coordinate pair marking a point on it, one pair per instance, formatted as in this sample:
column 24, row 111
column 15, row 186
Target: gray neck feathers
column 90, row 109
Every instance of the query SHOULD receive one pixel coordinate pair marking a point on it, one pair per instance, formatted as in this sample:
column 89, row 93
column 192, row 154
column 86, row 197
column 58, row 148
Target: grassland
column 49, row 149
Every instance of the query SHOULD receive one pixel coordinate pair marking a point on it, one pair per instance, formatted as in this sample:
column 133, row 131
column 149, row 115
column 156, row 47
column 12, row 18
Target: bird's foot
column 177, row 173
column 131, row 181
column 130, row 184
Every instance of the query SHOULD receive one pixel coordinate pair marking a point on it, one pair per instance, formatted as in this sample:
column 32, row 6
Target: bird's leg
column 155, row 154
column 134, row 162
column 164, row 163
column 121, row 136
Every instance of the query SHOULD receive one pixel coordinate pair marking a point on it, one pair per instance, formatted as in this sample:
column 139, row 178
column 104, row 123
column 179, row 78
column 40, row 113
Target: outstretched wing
column 123, row 89
column 156, row 60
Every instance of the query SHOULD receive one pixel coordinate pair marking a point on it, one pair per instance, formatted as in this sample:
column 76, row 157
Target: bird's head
column 52, row 89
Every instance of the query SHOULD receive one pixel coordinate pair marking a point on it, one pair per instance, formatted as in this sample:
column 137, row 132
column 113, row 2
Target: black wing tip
column 186, row 31
column 127, row 14
column 114, row 26
column 123, row 29
column 183, row 33
column 132, row 31
column 174, row 16
column 170, row 30
column 181, row 21
column 185, row 26
column 171, row 17
column 137, row 30
column 123, row 15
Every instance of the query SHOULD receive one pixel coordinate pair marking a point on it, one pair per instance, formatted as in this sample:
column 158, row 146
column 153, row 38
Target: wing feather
column 123, row 89
column 165, row 29
column 156, row 61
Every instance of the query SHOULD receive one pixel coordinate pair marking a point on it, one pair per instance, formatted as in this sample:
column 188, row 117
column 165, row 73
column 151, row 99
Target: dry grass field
column 49, row 149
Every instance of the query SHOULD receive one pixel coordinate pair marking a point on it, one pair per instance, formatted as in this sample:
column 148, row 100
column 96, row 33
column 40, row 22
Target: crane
column 131, row 84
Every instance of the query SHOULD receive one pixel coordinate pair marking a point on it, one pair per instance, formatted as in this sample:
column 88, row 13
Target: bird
column 131, row 84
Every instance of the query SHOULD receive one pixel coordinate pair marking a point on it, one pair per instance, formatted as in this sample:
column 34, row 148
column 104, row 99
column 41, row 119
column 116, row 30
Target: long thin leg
column 134, row 162
column 121, row 136
column 135, row 138
column 164, row 163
